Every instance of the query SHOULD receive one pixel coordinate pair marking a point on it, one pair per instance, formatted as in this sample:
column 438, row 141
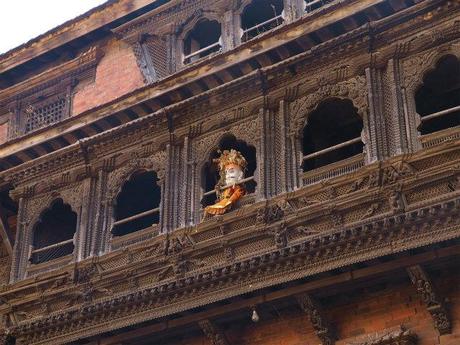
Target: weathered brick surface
column 117, row 74
column 358, row 313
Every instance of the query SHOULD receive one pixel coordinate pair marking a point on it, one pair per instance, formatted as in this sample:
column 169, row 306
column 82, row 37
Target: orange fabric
column 228, row 197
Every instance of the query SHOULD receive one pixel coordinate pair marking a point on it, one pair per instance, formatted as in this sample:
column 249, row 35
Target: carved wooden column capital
column 433, row 301
column 314, row 311
column 213, row 333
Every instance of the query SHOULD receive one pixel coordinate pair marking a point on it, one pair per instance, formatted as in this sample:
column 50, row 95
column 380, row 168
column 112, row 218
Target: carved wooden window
column 138, row 204
column 438, row 99
column 53, row 235
column 42, row 114
column 332, row 133
column 261, row 16
column 211, row 174
column 204, row 39
column 41, row 109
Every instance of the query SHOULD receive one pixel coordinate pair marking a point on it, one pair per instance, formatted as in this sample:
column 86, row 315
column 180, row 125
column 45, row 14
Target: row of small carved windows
column 257, row 17
column 332, row 134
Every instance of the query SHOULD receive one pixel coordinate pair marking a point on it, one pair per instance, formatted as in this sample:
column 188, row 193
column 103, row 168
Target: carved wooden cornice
column 431, row 297
column 179, row 288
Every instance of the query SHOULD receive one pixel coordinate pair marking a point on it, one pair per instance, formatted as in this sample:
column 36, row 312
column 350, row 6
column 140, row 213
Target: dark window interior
column 311, row 5
column 139, row 194
column 211, row 173
column 257, row 12
column 440, row 91
column 205, row 33
column 333, row 122
column 57, row 224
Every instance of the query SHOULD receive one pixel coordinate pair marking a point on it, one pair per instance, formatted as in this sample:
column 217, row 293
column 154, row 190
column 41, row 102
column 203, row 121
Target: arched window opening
column 312, row 5
column 138, row 204
column 333, row 133
column 203, row 40
column 211, row 174
column 438, row 99
column 260, row 16
column 54, row 233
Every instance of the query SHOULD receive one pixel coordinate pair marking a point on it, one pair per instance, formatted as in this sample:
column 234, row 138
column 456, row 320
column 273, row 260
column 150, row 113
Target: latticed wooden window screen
column 41, row 115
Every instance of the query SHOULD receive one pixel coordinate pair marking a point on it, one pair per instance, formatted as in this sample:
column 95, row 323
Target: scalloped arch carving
column 200, row 14
column 71, row 196
column 246, row 131
column 416, row 67
column 119, row 176
column 354, row 89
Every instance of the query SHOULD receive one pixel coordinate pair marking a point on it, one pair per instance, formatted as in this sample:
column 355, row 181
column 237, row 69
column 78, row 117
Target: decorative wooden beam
column 213, row 333
column 433, row 301
column 314, row 311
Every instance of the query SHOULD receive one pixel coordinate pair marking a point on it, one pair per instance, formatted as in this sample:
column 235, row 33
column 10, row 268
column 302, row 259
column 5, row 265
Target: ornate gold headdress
column 230, row 157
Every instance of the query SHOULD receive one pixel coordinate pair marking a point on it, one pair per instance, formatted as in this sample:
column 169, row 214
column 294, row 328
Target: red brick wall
column 366, row 312
column 117, row 74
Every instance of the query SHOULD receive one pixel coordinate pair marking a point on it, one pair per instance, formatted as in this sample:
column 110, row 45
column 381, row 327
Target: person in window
column 229, row 189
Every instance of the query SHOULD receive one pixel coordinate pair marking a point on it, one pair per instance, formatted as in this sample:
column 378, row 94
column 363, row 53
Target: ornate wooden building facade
column 348, row 113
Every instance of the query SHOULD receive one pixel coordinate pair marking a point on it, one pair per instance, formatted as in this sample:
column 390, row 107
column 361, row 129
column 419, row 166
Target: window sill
column 35, row 269
column 439, row 137
column 246, row 200
column 335, row 169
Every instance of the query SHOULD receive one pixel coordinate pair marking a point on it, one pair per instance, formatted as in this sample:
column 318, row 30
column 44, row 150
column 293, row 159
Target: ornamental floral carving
column 354, row 89
column 118, row 177
column 416, row 67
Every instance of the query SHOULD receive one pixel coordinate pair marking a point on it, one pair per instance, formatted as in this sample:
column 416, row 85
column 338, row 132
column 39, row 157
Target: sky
column 22, row 20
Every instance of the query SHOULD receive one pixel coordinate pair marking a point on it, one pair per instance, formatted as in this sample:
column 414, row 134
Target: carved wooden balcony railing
column 260, row 28
column 449, row 134
column 313, row 5
column 118, row 242
column 342, row 167
column 52, row 252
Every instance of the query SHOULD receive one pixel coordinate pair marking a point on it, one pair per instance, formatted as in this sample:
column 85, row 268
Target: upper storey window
column 54, row 233
column 260, row 16
column 438, row 99
column 203, row 40
column 138, row 204
column 333, row 133
column 211, row 176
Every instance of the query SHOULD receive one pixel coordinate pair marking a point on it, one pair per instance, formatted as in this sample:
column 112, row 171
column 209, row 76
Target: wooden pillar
column 374, row 123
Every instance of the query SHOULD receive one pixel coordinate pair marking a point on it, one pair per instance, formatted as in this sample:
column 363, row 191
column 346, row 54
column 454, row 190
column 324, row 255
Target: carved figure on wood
column 230, row 187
